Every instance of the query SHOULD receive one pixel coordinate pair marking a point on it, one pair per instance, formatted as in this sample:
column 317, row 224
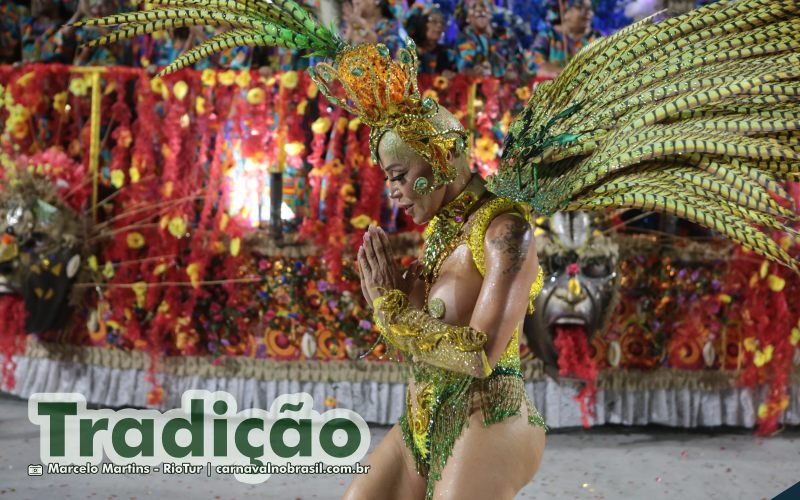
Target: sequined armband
column 429, row 340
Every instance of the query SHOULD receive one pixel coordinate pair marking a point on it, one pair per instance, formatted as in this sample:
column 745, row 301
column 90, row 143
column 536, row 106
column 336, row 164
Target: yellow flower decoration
column 523, row 93
column 108, row 270
column 183, row 337
column 362, row 221
column 60, row 102
column 485, row 149
column 92, row 261
column 440, row 83
column 177, row 227
column 795, row 337
column 301, row 108
column 763, row 410
column 333, row 167
column 762, row 272
column 227, row 77
column 763, row 357
column 294, row 148
column 236, row 245
column 139, row 289
column 750, row 344
column 243, row 79
column 354, row 124
column 180, row 89
column 321, row 125
column 79, row 86
column 135, row 240
column 199, row 105
column 347, row 192
column 193, row 271
column 256, row 95
column 725, row 298
column 158, row 86
column 289, row 80
column 775, row 283
column 208, row 77
column 117, row 178
column 17, row 127
column 25, row 79
column 134, row 174
column 223, row 221
column 505, row 122
column 159, row 269
column 312, row 91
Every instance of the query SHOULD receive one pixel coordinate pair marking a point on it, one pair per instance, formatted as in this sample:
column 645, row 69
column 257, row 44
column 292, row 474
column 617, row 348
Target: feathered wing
column 280, row 23
column 696, row 116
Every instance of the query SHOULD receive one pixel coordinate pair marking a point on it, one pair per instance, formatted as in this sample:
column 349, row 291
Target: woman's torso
column 458, row 285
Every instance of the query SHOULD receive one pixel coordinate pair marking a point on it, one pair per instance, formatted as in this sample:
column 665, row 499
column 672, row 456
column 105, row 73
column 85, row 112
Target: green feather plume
column 280, row 23
column 696, row 116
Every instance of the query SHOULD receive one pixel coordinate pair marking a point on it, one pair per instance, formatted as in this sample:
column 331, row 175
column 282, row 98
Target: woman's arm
column 511, row 268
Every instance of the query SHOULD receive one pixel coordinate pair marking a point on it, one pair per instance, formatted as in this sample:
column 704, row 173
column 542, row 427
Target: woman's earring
column 421, row 185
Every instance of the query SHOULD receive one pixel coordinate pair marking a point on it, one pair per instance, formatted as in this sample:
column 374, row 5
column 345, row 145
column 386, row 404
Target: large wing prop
column 696, row 116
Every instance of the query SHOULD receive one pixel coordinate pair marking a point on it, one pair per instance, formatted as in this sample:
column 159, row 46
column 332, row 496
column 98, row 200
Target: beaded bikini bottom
column 443, row 404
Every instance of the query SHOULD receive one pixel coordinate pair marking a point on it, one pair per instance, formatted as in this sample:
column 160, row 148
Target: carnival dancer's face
column 479, row 15
column 403, row 166
column 434, row 27
column 579, row 16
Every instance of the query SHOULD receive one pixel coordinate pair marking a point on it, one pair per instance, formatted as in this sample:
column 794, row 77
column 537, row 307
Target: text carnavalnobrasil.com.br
column 186, row 468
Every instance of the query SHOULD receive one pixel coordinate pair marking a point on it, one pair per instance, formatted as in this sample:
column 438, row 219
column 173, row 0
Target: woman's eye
column 398, row 178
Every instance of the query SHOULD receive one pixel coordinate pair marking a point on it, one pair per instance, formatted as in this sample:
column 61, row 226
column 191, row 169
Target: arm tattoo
column 513, row 242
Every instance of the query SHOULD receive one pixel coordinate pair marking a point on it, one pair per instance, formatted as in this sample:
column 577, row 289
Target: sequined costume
column 441, row 401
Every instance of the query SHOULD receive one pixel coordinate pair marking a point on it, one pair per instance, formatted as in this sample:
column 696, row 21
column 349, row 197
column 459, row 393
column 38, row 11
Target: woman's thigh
column 492, row 462
column 392, row 473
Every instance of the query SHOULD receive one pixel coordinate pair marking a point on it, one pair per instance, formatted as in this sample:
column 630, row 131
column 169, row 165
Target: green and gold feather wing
column 279, row 23
column 696, row 116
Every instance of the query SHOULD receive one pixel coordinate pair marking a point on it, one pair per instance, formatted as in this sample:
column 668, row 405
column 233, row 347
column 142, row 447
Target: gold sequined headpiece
column 365, row 81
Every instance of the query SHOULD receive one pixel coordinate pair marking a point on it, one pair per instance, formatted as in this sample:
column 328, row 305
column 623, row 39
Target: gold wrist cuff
column 429, row 340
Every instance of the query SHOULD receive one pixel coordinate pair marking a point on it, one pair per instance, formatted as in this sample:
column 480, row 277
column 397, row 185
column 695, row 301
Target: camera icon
column 35, row 470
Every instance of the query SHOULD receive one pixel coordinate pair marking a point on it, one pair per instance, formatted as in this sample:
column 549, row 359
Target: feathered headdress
column 364, row 80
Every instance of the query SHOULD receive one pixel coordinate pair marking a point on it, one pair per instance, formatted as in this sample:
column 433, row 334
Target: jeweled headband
column 365, row 81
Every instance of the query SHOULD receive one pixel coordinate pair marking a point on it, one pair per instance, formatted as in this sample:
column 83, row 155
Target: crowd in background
column 476, row 37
